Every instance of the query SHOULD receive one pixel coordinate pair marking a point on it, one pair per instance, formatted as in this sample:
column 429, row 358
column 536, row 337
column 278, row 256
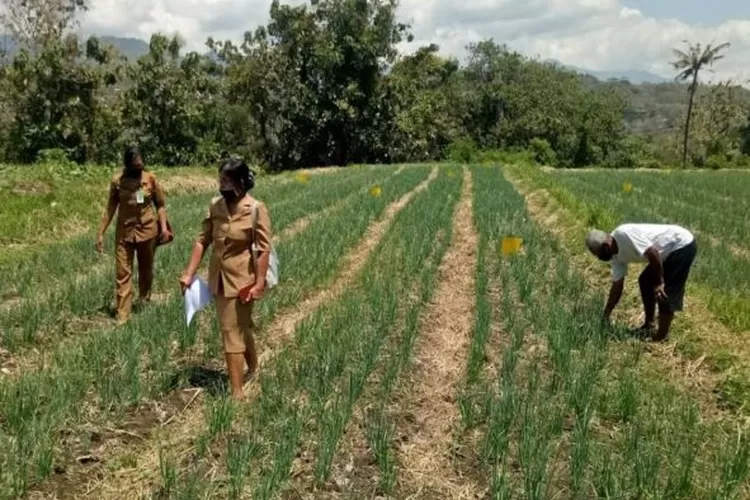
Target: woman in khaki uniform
column 234, row 279
column 132, row 194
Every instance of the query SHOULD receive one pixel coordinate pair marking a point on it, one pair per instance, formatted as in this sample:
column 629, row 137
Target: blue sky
column 694, row 11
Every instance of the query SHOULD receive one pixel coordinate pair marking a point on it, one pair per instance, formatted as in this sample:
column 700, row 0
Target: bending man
column 669, row 251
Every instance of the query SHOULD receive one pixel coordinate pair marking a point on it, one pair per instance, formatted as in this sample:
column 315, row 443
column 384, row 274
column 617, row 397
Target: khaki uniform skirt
column 236, row 323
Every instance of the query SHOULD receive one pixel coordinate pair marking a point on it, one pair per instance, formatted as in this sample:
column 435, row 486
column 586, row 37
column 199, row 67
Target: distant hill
column 132, row 48
column 636, row 77
column 7, row 45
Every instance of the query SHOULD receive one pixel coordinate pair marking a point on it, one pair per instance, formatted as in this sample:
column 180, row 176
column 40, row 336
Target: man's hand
column 185, row 281
column 660, row 293
column 100, row 242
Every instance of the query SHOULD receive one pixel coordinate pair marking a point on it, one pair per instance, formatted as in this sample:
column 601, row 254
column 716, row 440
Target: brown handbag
column 159, row 240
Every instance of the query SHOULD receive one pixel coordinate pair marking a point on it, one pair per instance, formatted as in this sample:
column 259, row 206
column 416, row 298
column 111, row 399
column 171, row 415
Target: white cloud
column 595, row 34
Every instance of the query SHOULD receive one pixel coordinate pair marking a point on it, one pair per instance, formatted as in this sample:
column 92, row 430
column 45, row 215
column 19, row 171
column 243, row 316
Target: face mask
column 230, row 195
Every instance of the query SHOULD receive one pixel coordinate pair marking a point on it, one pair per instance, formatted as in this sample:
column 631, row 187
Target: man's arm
column 615, row 294
column 654, row 260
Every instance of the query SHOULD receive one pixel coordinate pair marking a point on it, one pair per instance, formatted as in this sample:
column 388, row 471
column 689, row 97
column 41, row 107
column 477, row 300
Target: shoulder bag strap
column 255, row 218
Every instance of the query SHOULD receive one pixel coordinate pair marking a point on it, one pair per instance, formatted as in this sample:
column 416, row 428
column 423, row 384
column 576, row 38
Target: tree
column 422, row 92
column 35, row 23
column 717, row 122
column 745, row 138
column 490, row 70
column 312, row 80
column 58, row 100
column 690, row 63
column 172, row 106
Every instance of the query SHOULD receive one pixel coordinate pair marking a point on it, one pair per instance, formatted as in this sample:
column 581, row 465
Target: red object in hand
column 244, row 294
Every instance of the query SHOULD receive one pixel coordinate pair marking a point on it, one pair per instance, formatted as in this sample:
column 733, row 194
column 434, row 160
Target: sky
column 600, row 35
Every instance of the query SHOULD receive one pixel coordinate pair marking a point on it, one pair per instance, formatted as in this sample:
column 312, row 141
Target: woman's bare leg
column 236, row 369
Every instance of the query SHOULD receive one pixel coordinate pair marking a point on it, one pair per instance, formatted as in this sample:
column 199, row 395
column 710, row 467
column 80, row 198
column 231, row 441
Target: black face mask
column 230, row 195
column 132, row 172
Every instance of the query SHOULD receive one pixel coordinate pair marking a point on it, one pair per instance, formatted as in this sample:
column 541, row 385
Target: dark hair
column 238, row 171
column 131, row 153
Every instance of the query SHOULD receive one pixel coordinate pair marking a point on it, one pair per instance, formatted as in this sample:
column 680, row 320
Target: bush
column 542, row 152
column 53, row 156
column 717, row 162
column 462, row 150
column 620, row 158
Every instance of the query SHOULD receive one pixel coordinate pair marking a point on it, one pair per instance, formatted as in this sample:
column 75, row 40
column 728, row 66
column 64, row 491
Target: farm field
column 403, row 355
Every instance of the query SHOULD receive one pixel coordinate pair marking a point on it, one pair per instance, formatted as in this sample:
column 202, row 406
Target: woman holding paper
column 133, row 194
column 234, row 221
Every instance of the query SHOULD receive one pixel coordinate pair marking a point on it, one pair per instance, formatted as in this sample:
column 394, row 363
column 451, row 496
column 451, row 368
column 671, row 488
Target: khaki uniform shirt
column 231, row 264
column 136, row 218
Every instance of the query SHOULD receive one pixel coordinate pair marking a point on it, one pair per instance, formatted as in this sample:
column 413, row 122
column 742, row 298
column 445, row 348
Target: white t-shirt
column 634, row 239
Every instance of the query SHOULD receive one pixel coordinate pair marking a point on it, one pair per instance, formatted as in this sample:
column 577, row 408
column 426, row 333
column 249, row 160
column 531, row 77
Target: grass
column 721, row 277
column 555, row 407
column 551, row 405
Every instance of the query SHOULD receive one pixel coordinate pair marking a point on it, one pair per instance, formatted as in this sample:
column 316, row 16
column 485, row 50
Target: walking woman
column 133, row 194
column 234, row 221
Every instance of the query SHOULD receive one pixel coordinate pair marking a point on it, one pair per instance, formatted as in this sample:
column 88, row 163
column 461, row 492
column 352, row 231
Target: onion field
column 403, row 355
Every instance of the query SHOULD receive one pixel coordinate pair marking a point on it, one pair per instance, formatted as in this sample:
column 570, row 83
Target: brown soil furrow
column 203, row 182
column 690, row 377
column 191, row 183
column 178, row 437
column 425, row 458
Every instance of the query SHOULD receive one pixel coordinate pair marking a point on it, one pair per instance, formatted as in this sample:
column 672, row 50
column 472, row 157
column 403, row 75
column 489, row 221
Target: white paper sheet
column 197, row 296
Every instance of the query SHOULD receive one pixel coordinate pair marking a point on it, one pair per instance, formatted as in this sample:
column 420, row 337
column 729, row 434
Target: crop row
column 115, row 369
column 567, row 411
column 68, row 288
column 308, row 395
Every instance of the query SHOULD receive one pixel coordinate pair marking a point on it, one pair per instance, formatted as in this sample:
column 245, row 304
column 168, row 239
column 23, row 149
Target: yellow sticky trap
column 376, row 191
column 627, row 187
column 303, row 177
column 511, row 245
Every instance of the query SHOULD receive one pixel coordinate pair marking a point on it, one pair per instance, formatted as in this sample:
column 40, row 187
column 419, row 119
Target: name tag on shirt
column 139, row 196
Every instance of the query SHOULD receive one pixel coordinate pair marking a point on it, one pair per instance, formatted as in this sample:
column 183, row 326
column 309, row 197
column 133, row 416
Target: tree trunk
column 693, row 88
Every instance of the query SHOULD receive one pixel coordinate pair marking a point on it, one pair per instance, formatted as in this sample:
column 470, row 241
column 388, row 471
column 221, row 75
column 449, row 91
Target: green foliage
column 323, row 83
column 542, row 152
column 689, row 64
column 717, row 162
column 171, row 106
column 312, row 81
column 54, row 156
column 745, row 138
column 423, row 87
column 57, row 97
column 462, row 150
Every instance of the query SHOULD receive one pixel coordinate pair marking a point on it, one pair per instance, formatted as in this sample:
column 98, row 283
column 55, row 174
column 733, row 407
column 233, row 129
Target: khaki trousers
column 124, row 253
column 236, row 323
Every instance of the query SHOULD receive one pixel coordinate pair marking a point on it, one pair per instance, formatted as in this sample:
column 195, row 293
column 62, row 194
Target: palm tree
column 689, row 63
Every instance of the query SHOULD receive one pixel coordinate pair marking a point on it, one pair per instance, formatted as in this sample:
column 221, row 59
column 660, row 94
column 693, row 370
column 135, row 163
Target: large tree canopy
column 320, row 84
